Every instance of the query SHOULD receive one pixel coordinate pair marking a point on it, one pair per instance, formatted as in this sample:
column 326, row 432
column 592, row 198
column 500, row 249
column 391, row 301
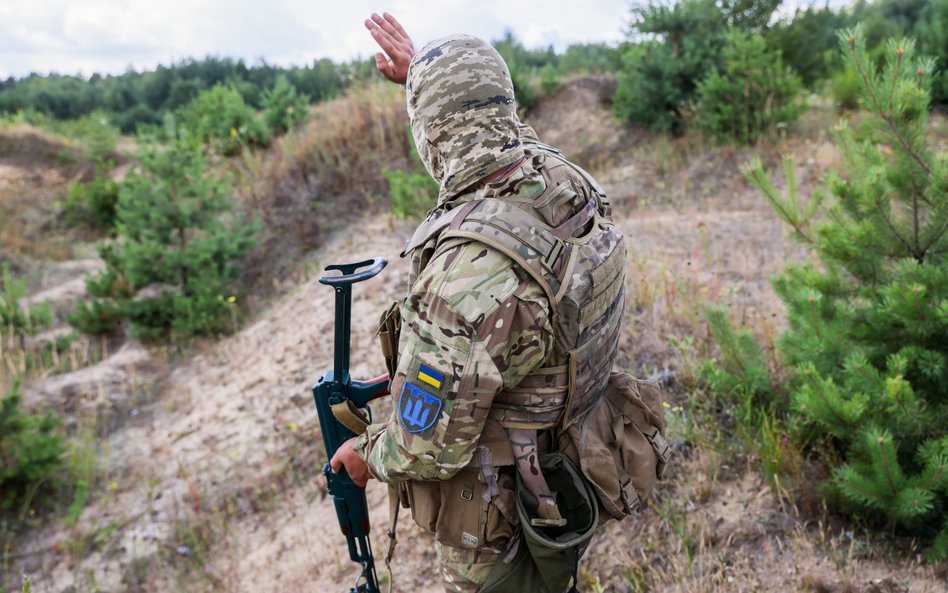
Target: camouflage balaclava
column 462, row 111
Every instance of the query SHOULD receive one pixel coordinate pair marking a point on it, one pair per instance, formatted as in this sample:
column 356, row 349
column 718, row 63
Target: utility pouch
column 390, row 326
column 464, row 512
column 546, row 559
column 620, row 444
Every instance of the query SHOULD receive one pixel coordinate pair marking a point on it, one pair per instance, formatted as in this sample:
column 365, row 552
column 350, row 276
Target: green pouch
column 547, row 558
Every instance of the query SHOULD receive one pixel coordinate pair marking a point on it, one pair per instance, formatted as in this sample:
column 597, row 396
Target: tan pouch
column 390, row 326
column 425, row 500
column 460, row 513
column 620, row 444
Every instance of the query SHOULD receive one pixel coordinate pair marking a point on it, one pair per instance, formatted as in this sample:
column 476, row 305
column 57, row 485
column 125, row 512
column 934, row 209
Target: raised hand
column 396, row 45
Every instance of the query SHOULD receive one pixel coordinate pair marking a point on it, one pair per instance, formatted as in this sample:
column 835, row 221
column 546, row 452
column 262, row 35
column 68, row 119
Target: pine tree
column 284, row 108
column 868, row 328
column 30, row 450
column 753, row 93
column 174, row 263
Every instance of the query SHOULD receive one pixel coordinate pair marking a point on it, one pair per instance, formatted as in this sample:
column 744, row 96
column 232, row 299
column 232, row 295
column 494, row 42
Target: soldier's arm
column 472, row 326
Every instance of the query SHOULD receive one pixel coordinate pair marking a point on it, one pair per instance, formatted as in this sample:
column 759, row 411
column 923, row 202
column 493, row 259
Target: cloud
column 110, row 35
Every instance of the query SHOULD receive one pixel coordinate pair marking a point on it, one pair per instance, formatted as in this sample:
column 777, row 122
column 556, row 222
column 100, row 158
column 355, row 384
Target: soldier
column 511, row 321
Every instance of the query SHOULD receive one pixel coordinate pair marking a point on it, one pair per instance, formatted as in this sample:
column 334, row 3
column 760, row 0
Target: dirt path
column 208, row 466
column 221, row 435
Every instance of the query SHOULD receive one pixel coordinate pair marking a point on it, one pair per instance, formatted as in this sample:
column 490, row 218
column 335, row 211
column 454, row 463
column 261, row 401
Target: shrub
column 867, row 329
column 549, row 80
column 753, row 92
column 807, row 42
column 845, row 89
column 284, row 108
column 93, row 203
column 932, row 33
column 173, row 265
column 659, row 76
column 412, row 193
column 523, row 87
column 588, row 57
column 742, row 373
column 30, row 451
column 23, row 321
column 221, row 118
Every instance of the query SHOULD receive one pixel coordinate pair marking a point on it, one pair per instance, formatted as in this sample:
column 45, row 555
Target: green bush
column 741, row 374
column 221, row 119
column 868, row 328
column 174, row 263
column 549, row 80
column 30, row 451
column 94, row 132
column 659, row 76
column 932, row 33
column 807, row 42
column 412, row 193
column 93, row 203
column 845, row 89
column 596, row 58
column 284, row 108
column 14, row 316
column 753, row 93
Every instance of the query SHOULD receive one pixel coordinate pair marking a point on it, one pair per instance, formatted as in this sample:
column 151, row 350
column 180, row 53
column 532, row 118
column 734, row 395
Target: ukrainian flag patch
column 428, row 375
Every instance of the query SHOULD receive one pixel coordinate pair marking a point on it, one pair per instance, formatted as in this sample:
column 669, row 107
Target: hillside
column 206, row 459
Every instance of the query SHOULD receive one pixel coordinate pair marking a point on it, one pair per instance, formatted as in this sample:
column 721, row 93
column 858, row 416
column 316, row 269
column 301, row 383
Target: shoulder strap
column 600, row 193
column 431, row 226
column 517, row 234
column 558, row 155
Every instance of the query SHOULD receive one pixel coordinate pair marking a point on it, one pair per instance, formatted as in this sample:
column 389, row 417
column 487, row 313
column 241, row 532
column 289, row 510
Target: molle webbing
column 536, row 402
column 542, row 398
column 514, row 232
column 582, row 278
column 590, row 375
column 607, row 282
column 556, row 394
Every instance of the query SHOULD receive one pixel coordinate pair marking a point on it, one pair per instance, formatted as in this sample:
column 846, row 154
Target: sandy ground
column 208, row 460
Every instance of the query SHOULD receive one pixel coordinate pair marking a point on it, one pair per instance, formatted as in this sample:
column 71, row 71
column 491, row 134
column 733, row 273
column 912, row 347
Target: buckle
column 550, row 258
column 659, row 444
column 630, row 497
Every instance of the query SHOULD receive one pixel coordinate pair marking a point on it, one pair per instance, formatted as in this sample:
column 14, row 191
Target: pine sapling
column 868, row 326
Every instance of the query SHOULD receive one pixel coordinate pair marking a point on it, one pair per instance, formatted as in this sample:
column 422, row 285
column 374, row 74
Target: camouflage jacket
column 474, row 324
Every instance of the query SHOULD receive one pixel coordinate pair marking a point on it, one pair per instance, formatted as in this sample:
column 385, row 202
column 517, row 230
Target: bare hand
column 395, row 42
column 346, row 457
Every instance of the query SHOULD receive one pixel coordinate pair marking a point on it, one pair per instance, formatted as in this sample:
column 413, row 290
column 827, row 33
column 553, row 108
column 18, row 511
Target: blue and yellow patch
column 428, row 375
column 418, row 410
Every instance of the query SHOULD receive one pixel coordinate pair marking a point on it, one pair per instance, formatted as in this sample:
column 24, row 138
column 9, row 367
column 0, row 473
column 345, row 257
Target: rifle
column 342, row 408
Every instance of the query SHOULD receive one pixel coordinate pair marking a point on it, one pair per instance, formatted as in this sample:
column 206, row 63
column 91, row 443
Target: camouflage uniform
column 475, row 322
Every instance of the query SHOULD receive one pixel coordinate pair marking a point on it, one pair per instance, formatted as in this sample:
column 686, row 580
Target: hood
column 462, row 111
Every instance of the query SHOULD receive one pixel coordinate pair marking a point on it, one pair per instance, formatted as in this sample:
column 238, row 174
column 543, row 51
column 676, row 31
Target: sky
column 111, row 36
column 86, row 36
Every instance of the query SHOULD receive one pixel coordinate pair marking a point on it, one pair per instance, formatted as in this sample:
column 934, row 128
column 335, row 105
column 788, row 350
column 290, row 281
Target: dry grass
column 323, row 175
column 35, row 170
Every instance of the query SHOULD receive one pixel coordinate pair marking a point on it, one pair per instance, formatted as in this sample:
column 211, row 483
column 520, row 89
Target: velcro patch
column 418, row 410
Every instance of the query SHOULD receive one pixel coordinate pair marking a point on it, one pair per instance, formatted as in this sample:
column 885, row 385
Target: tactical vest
column 579, row 264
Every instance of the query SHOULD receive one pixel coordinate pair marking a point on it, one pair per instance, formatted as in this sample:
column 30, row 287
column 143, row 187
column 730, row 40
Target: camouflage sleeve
column 471, row 326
